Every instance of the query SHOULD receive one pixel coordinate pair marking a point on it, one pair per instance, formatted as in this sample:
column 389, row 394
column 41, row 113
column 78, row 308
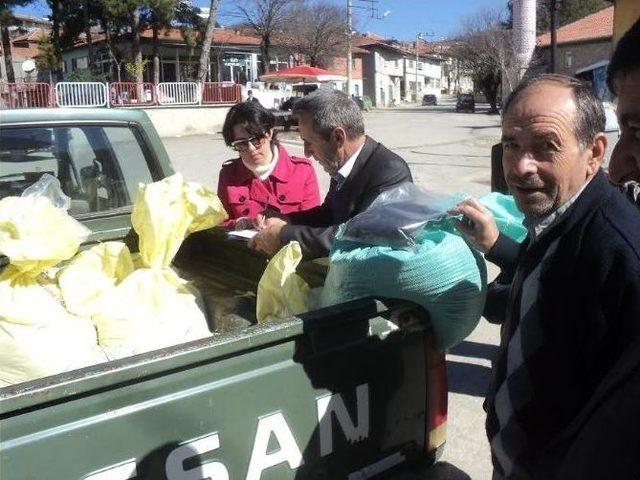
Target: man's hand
column 244, row 223
column 477, row 224
column 267, row 239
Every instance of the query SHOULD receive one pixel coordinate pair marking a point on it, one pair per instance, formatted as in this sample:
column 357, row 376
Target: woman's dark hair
column 256, row 120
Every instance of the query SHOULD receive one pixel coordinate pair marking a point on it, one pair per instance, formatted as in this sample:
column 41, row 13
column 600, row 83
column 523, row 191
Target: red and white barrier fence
column 116, row 94
column 25, row 95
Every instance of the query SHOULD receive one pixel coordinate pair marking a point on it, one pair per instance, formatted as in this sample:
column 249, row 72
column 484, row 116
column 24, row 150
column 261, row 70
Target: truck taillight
column 437, row 389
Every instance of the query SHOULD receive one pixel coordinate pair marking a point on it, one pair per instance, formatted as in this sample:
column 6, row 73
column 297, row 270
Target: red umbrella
column 302, row 73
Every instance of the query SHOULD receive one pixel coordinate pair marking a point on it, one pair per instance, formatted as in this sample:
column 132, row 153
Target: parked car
column 429, row 99
column 465, row 103
column 283, row 115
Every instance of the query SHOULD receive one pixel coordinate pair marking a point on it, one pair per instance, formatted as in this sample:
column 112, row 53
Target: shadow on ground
column 438, row 471
column 470, row 378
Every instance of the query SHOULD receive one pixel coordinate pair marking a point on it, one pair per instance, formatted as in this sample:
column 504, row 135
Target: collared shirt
column 341, row 175
column 538, row 227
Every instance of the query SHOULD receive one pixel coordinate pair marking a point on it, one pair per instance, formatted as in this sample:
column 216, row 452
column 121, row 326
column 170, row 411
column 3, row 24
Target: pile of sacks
column 60, row 311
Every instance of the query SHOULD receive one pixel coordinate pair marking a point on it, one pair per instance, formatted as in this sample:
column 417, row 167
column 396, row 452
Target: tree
column 47, row 58
column 316, row 30
column 205, row 58
column 158, row 15
column 117, row 19
column 267, row 18
column 568, row 11
column 486, row 50
column 6, row 19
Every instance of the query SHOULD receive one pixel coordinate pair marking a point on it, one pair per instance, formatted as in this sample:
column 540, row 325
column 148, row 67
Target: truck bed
column 337, row 392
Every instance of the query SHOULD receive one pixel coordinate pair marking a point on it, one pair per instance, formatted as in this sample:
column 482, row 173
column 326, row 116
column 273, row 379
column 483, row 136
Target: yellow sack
column 150, row 309
column 166, row 211
column 153, row 307
column 282, row 292
column 35, row 235
column 38, row 337
column 84, row 281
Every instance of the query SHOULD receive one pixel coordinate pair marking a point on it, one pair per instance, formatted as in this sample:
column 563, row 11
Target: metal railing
column 116, row 94
column 178, row 93
column 81, row 94
column 25, row 95
column 131, row 94
column 214, row 92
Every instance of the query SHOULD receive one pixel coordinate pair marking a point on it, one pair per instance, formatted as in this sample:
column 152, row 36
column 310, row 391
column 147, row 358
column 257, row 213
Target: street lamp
column 419, row 36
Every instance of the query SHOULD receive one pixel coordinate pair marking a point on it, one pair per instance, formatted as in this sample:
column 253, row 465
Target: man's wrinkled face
column 625, row 159
column 325, row 152
column 543, row 162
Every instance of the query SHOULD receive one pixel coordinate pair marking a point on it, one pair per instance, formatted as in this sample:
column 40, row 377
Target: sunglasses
column 242, row 145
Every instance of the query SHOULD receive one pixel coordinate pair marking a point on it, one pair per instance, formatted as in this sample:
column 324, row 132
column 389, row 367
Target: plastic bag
column 397, row 216
column 506, row 214
column 38, row 336
column 49, row 187
column 282, row 292
column 151, row 307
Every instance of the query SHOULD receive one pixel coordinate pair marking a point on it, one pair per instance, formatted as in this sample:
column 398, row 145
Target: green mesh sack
column 441, row 273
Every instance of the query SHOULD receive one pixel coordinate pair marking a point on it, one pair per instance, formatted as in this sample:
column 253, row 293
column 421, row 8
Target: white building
column 391, row 74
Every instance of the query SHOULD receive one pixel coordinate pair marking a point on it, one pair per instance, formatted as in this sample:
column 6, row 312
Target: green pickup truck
column 353, row 391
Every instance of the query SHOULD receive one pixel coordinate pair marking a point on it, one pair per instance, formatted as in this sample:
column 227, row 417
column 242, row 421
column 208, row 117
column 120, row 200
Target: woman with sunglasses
column 265, row 176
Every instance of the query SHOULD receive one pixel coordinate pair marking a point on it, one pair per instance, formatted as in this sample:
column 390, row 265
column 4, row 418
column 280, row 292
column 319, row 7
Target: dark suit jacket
column 587, row 372
column 376, row 169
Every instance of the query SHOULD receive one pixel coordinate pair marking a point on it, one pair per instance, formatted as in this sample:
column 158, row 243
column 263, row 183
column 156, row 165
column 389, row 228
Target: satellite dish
column 28, row 66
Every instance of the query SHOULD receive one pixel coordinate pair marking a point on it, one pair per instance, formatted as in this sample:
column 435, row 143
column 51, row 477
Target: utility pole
column 372, row 7
column 554, row 37
column 349, row 55
column 419, row 37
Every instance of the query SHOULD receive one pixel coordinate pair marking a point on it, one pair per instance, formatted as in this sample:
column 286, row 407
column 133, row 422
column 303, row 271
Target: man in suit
column 332, row 129
column 571, row 319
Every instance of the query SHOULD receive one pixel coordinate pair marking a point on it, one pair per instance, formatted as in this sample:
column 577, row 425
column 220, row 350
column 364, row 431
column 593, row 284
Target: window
column 79, row 63
column 568, row 59
column 411, row 63
column 419, row 65
column 353, row 63
column 88, row 160
column 397, row 62
column 356, row 89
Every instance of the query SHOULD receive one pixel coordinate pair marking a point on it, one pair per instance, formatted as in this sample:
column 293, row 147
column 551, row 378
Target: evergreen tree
column 6, row 20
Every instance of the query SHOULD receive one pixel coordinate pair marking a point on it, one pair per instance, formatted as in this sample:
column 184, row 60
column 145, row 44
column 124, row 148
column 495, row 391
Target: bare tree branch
column 316, row 31
column 267, row 18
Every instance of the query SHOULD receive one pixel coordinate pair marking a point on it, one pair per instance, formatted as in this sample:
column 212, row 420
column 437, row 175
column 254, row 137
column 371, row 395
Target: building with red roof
column 581, row 45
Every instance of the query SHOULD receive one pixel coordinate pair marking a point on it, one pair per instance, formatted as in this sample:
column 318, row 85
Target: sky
column 436, row 19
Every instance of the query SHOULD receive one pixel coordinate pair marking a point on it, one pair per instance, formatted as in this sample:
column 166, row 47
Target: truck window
column 90, row 162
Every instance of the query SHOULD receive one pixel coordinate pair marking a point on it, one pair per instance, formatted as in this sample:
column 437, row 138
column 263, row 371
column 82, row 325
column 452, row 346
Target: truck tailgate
column 306, row 398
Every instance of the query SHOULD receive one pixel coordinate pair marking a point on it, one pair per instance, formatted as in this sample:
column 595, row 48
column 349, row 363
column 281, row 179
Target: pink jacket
column 291, row 187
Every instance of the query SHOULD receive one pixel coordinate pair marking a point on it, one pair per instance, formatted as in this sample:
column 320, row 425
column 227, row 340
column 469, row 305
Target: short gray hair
column 330, row 109
column 590, row 118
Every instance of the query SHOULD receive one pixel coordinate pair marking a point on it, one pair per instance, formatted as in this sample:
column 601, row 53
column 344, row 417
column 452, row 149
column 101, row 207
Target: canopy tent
column 302, row 73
